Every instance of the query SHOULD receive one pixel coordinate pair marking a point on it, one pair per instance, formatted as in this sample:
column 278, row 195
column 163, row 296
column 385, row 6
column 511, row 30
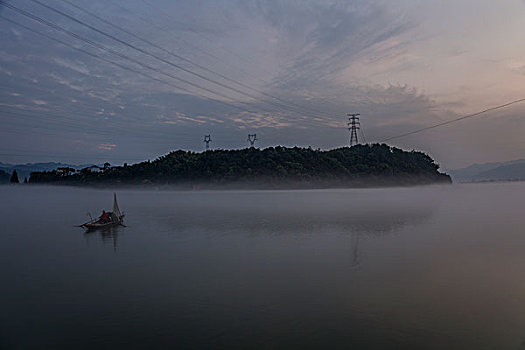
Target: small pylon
column 207, row 140
column 251, row 139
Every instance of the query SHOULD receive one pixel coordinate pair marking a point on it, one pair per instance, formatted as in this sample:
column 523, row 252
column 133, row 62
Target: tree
column 14, row 178
column 274, row 166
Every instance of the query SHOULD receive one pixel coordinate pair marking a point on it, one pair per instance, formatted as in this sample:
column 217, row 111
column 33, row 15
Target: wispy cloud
column 106, row 146
column 65, row 82
column 76, row 66
column 401, row 66
column 257, row 121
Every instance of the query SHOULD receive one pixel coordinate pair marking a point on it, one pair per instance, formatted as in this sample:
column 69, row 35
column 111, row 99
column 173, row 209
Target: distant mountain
column 24, row 170
column 513, row 170
column 504, row 172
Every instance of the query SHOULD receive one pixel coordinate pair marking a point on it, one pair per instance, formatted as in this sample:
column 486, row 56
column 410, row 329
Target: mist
column 296, row 268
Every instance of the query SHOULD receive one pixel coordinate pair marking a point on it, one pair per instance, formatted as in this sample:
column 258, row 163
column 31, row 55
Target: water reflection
column 437, row 268
column 382, row 226
column 256, row 222
column 354, row 226
column 355, row 249
column 108, row 235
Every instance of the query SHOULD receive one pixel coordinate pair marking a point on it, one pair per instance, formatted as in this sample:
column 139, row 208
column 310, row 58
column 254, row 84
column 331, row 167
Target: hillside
column 512, row 170
column 359, row 166
column 505, row 172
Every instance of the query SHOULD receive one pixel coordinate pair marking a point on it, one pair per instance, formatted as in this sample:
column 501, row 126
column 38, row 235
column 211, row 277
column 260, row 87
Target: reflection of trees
column 106, row 234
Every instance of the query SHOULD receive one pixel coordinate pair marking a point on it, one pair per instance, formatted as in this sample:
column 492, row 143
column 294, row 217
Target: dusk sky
column 286, row 70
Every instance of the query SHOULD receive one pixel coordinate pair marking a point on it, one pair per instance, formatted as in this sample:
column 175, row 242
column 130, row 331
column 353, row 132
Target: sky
column 130, row 80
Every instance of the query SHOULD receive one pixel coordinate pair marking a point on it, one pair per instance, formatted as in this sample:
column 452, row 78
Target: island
column 373, row 165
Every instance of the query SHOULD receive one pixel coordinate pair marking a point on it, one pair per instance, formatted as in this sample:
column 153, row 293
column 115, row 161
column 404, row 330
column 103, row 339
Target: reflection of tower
column 355, row 249
column 353, row 126
column 207, row 140
column 251, row 139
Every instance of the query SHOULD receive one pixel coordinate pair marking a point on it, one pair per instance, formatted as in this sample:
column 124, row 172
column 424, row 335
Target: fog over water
column 437, row 267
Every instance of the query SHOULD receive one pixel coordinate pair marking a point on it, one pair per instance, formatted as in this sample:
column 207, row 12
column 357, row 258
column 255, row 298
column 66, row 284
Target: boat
column 107, row 219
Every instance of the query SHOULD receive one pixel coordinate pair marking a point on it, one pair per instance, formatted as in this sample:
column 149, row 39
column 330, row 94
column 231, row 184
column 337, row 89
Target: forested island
column 273, row 167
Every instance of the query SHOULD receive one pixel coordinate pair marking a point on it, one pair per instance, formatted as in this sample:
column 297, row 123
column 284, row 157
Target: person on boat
column 104, row 217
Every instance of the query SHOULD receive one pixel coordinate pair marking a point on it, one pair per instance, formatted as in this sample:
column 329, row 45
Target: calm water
column 417, row 268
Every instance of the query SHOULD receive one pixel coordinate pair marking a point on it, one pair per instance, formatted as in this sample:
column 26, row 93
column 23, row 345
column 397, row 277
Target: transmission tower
column 353, row 126
column 251, row 139
column 207, row 140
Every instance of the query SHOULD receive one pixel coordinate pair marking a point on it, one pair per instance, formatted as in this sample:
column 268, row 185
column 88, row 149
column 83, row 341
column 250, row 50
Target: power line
column 38, row 19
column 102, row 47
column 363, row 135
column 25, row 13
column 214, row 42
column 185, row 42
column 125, row 57
column 76, row 36
column 108, row 61
column 455, row 120
column 84, row 126
column 145, row 52
column 225, row 49
column 191, row 62
column 96, row 129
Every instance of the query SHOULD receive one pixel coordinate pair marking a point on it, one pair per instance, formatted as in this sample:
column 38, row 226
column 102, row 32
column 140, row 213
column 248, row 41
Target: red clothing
column 104, row 217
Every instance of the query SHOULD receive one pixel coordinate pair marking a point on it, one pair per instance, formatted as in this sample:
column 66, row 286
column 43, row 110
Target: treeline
column 4, row 177
column 361, row 165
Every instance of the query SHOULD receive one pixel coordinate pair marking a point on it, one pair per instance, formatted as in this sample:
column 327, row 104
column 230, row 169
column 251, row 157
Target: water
column 412, row 268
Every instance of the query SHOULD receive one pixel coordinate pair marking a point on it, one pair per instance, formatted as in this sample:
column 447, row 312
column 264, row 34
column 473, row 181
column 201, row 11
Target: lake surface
column 405, row 268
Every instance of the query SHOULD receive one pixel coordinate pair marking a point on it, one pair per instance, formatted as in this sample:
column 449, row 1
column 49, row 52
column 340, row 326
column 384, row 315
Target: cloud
column 76, row 65
column 66, row 82
column 106, row 146
column 401, row 67
column 257, row 121
column 178, row 118
column 322, row 37
column 5, row 71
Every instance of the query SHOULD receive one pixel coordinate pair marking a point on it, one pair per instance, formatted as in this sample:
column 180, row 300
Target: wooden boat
column 107, row 219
